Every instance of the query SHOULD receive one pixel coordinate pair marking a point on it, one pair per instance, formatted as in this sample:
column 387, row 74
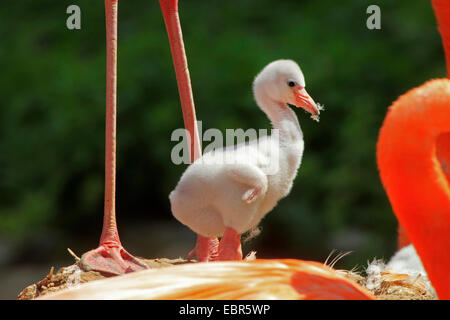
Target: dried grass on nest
column 394, row 286
column 385, row 284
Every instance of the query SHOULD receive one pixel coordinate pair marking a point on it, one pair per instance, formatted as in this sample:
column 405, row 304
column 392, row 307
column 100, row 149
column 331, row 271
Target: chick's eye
column 291, row 83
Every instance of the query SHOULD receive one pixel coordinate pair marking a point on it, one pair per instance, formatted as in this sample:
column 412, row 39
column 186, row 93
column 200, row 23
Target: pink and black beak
column 303, row 100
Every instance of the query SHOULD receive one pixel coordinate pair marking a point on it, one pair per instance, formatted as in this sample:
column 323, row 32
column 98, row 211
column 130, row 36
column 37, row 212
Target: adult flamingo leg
column 110, row 257
column 205, row 248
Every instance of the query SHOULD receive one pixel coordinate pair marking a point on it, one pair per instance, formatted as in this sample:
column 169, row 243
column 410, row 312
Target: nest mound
column 73, row 275
column 389, row 286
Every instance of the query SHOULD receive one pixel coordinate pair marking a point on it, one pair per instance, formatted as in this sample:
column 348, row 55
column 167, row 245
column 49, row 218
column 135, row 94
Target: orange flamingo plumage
column 244, row 280
column 411, row 159
column 413, row 155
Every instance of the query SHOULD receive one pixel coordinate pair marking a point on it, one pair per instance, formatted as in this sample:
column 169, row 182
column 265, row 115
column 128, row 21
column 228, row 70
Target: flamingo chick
column 228, row 191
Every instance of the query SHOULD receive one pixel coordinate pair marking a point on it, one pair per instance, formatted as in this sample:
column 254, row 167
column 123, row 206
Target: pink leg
column 230, row 246
column 110, row 257
column 206, row 249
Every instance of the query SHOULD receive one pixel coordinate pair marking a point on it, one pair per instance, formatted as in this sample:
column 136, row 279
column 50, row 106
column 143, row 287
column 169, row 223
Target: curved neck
column 413, row 176
column 282, row 118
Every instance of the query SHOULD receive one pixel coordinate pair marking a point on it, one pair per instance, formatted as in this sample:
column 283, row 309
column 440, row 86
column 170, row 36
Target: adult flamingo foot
column 110, row 259
column 230, row 246
column 206, row 249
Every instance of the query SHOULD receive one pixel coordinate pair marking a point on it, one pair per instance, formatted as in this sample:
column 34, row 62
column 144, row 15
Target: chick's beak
column 303, row 100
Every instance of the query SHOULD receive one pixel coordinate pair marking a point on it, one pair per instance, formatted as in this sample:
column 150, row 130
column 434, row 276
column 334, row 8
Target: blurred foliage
column 52, row 112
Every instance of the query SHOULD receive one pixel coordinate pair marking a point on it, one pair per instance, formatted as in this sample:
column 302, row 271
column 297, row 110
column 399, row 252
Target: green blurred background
column 52, row 114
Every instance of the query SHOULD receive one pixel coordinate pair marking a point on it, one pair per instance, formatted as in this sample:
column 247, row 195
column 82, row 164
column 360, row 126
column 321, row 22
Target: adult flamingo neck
column 109, row 231
column 413, row 159
column 442, row 12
